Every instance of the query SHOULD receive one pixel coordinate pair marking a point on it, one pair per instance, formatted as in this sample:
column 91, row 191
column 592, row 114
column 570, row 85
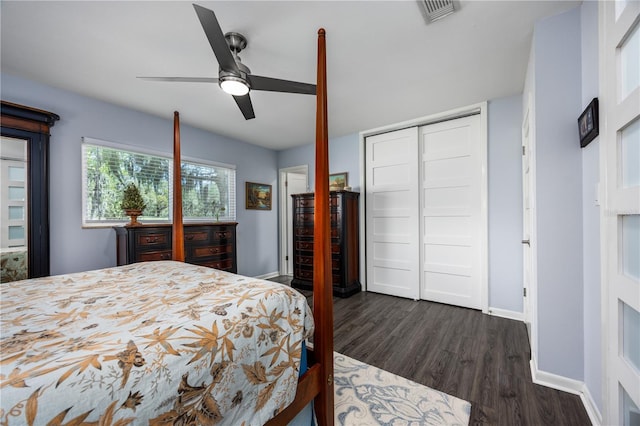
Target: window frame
column 230, row 214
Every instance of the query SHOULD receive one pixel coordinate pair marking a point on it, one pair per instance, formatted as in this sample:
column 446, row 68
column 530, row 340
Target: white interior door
column 451, row 172
column 293, row 180
column 527, row 215
column 620, row 215
column 392, row 213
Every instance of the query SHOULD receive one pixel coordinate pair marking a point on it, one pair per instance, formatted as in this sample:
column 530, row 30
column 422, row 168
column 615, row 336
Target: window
column 208, row 189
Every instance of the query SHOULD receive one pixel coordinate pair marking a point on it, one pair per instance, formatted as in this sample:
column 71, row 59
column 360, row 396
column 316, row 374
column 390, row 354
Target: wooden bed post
column 318, row 380
column 177, row 230
column 322, row 277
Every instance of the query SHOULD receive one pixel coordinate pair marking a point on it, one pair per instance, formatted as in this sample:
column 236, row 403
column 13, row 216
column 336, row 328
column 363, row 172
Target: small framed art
column 338, row 181
column 258, row 196
column 588, row 127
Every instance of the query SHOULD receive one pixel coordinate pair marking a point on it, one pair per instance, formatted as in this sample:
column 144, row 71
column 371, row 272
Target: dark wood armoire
column 345, row 242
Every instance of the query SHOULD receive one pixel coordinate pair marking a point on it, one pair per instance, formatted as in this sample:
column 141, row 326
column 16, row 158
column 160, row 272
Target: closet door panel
column 451, row 212
column 392, row 213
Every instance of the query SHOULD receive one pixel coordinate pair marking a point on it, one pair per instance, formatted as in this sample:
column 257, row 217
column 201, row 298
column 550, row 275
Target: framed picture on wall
column 588, row 127
column 258, row 196
column 338, row 181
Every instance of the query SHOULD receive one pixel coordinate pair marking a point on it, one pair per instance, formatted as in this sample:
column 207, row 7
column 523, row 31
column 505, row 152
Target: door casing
column 282, row 217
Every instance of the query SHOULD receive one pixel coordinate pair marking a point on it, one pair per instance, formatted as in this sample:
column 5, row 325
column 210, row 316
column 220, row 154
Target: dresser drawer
column 151, row 239
column 305, row 218
column 308, row 261
column 304, row 260
column 304, row 245
column 308, row 246
column 154, row 255
column 303, row 231
column 195, row 236
column 222, row 264
column 309, row 202
column 223, row 235
column 305, row 274
column 304, row 202
column 336, row 264
column 212, row 250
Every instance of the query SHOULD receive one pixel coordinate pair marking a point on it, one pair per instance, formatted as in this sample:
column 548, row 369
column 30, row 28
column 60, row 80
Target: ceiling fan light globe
column 234, row 86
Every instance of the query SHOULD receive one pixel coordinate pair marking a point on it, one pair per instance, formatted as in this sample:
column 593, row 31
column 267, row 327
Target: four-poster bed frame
column 168, row 342
column 316, row 384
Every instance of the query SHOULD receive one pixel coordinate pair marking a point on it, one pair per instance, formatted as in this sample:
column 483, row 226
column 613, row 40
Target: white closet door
column 392, row 213
column 451, row 212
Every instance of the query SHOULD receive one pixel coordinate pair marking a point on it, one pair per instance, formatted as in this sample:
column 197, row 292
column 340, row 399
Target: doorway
column 528, row 233
column 293, row 180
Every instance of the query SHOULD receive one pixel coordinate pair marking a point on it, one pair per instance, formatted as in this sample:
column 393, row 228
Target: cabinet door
column 24, row 193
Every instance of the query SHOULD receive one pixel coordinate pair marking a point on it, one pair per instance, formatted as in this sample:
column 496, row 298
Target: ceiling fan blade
column 276, row 85
column 216, row 38
column 244, row 102
column 182, row 79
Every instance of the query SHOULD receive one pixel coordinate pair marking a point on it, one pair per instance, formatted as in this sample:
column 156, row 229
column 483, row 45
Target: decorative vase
column 133, row 214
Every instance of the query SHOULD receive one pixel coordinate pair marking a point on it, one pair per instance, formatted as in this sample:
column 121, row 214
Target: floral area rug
column 366, row 396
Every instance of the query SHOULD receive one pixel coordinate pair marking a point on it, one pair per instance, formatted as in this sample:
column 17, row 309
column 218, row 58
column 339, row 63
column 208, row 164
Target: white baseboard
column 267, row 276
column 504, row 313
column 554, row 381
column 565, row 384
column 589, row 404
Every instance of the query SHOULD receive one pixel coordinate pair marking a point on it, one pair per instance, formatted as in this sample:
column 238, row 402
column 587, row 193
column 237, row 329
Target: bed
column 166, row 342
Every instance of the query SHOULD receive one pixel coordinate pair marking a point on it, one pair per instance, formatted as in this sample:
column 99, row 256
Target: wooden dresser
column 206, row 244
column 345, row 242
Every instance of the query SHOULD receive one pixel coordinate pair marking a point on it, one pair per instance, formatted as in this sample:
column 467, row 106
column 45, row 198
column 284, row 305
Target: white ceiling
column 385, row 64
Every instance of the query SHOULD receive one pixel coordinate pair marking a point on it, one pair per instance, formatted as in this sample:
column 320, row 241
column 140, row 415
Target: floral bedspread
column 156, row 343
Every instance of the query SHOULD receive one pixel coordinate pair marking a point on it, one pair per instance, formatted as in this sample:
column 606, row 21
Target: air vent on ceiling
column 437, row 9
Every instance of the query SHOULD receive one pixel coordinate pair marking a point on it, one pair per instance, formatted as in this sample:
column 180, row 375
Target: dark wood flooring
column 476, row 357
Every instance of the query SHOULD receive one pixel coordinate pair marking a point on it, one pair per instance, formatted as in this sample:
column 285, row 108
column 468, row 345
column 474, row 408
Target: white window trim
column 145, row 151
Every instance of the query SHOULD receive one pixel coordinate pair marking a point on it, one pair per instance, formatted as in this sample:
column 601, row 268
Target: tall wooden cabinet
column 345, row 245
column 31, row 127
column 206, row 244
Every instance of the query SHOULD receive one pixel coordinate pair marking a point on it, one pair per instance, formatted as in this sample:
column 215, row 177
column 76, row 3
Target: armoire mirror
column 24, row 191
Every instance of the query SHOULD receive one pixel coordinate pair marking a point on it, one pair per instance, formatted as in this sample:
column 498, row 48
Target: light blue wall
column 343, row 157
column 505, row 203
column 76, row 249
column 505, row 193
column 590, row 211
column 559, row 195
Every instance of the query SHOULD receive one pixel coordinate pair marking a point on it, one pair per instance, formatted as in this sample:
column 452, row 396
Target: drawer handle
column 152, row 239
column 190, row 237
column 214, row 250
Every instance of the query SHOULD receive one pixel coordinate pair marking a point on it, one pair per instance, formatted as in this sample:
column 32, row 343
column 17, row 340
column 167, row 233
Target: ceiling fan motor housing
column 236, row 42
column 240, row 76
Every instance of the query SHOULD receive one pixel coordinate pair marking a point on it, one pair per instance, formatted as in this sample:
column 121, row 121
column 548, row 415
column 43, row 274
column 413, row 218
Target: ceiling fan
column 234, row 77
